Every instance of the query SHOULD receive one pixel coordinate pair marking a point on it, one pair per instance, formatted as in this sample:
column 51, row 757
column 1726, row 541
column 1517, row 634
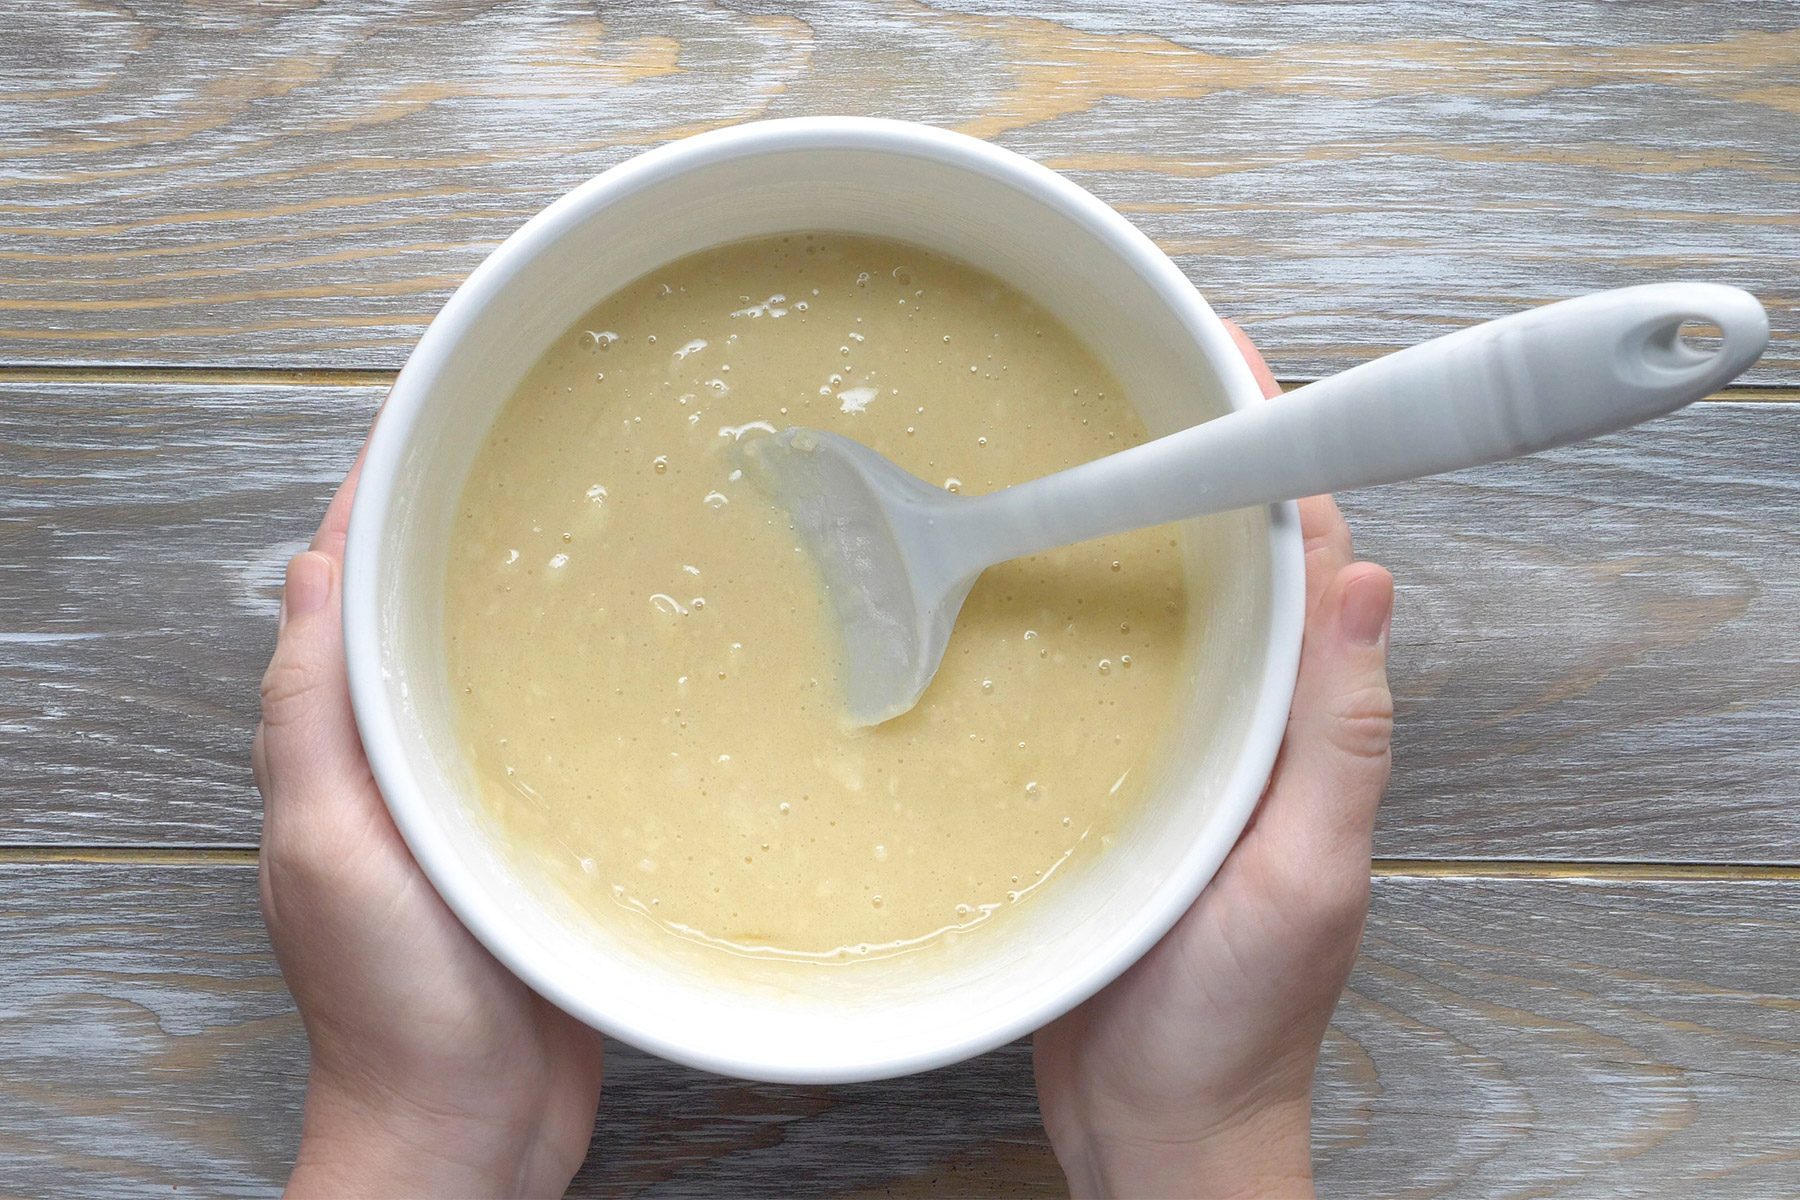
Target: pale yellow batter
column 640, row 651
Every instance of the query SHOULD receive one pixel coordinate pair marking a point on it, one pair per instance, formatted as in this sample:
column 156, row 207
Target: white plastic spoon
column 899, row 556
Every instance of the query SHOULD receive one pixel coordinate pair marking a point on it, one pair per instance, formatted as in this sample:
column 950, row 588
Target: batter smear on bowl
column 643, row 662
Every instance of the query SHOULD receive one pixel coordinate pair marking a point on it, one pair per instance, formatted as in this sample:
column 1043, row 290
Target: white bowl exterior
column 951, row 194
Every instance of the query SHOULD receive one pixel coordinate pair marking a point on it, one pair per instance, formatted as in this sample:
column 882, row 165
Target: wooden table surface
column 222, row 226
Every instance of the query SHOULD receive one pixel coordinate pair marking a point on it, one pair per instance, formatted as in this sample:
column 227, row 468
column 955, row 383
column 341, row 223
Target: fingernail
column 308, row 585
column 1368, row 608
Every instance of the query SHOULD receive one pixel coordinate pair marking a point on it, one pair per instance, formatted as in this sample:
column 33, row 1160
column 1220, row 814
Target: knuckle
column 300, row 861
column 1332, row 542
column 1330, row 903
column 285, row 685
column 1362, row 721
column 1325, row 527
column 1344, row 899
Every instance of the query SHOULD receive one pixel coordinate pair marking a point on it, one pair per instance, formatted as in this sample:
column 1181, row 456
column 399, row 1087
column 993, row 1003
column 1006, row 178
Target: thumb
column 1335, row 760
column 308, row 734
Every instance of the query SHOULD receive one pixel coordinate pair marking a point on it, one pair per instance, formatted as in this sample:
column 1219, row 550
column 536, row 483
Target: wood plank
column 1593, row 650
column 1530, row 1037
column 1591, row 653
column 143, row 535
column 269, row 185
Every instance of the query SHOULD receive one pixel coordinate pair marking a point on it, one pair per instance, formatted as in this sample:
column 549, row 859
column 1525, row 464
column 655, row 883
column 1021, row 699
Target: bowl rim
column 409, row 399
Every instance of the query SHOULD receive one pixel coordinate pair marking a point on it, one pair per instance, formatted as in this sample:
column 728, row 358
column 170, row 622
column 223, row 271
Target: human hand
column 434, row 1070
column 1191, row 1075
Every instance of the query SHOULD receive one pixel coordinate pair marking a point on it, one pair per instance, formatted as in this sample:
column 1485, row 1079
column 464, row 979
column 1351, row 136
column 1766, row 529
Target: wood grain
column 283, row 184
column 1593, row 652
column 1501, row 1037
column 143, row 534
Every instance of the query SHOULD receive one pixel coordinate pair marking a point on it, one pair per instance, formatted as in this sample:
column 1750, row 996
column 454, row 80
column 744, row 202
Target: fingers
column 307, row 743
column 1328, row 548
column 335, row 527
column 1259, row 368
column 1334, row 763
column 1321, row 524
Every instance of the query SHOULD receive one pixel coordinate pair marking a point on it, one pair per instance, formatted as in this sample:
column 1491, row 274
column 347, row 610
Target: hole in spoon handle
column 1695, row 339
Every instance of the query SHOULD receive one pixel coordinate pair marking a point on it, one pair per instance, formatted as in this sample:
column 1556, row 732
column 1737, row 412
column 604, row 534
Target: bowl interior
column 988, row 208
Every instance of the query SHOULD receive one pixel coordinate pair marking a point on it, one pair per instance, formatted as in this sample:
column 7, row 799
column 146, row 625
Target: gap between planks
column 1423, row 868
column 222, row 376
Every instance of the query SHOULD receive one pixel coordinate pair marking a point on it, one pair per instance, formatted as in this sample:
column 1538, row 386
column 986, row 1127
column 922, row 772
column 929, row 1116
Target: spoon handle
column 1527, row 382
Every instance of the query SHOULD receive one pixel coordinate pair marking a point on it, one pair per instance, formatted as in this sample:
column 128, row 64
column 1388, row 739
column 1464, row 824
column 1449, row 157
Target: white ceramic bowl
column 951, row 194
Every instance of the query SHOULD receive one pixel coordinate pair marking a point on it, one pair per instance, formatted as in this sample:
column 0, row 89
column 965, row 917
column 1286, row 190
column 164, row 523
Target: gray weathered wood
column 1593, row 653
column 1500, row 1037
column 143, row 533
column 303, row 185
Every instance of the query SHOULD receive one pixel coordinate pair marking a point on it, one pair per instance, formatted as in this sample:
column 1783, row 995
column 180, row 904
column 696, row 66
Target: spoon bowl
column 894, row 582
